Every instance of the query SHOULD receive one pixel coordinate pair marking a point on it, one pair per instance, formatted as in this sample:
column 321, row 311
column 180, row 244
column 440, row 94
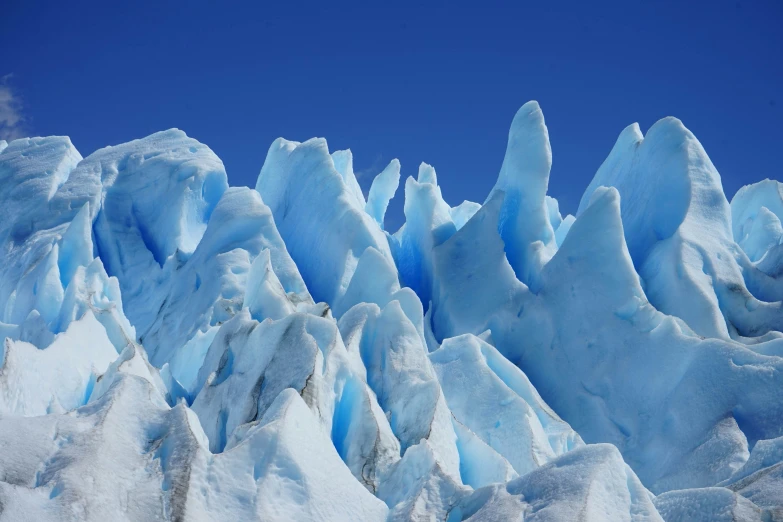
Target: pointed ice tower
column 382, row 191
column 524, row 177
column 428, row 224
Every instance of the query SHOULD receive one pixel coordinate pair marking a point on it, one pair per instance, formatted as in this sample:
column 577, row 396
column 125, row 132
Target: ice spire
column 382, row 191
column 524, row 177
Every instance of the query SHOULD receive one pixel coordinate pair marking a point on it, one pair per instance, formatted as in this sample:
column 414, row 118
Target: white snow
column 59, row 378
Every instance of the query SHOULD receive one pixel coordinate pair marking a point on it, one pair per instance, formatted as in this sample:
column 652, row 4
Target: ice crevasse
column 177, row 349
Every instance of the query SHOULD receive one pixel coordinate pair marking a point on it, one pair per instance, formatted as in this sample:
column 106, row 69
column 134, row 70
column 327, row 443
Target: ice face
column 400, row 374
column 382, row 191
column 428, row 224
column 760, row 479
column 211, row 283
column 591, row 483
column 678, row 228
column 129, row 445
column 756, row 212
column 49, row 275
column 708, row 505
column 31, row 171
column 494, row 399
column 343, row 163
column 340, row 231
column 177, row 349
column 524, row 176
column 59, row 378
column 475, row 249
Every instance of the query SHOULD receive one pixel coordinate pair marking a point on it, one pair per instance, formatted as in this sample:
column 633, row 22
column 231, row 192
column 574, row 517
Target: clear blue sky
column 437, row 84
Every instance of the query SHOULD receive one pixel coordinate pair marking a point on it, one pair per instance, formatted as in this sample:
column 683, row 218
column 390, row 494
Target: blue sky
column 438, row 84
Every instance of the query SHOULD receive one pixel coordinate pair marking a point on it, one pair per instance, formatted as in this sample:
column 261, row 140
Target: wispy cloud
column 370, row 172
column 11, row 114
column 366, row 175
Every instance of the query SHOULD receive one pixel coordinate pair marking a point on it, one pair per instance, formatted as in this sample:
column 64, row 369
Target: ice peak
column 290, row 331
column 343, row 163
column 630, row 134
column 427, row 174
column 383, row 188
column 528, row 156
column 524, row 177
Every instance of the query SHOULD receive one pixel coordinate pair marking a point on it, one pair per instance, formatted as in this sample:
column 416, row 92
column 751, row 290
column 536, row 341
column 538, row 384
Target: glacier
column 178, row 349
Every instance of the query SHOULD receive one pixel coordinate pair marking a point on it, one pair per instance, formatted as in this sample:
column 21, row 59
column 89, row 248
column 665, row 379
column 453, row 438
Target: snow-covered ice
column 177, row 349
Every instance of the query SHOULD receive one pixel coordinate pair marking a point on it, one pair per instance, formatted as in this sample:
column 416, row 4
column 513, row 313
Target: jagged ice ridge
column 178, row 349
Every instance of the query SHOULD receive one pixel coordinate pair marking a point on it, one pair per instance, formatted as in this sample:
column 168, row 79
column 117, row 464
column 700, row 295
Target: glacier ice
column 178, row 349
column 382, row 191
column 428, row 223
column 339, row 232
column 59, row 378
column 756, row 213
column 524, row 223
column 712, row 504
column 503, row 408
column 404, row 382
column 591, row 483
column 678, row 228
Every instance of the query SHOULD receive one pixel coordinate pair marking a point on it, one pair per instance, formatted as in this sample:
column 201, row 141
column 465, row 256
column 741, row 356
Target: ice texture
column 591, row 483
column 382, row 191
column 177, row 349
column 524, row 223
column 678, row 229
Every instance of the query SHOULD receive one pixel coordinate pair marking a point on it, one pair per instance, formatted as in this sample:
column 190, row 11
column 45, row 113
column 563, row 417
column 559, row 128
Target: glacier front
column 178, row 349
